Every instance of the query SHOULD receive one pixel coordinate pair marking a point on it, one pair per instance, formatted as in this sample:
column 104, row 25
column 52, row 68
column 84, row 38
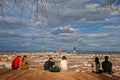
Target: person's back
column 15, row 63
column 96, row 65
column 48, row 64
column 24, row 63
column 64, row 64
column 107, row 65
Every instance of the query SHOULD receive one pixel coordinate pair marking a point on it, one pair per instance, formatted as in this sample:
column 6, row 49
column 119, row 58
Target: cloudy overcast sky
column 86, row 25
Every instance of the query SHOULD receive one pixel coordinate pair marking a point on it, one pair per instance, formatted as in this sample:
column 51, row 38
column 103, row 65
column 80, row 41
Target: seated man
column 54, row 68
column 107, row 66
column 48, row 64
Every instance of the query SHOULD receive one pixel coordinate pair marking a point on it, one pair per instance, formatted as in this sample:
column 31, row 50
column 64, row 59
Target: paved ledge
column 45, row 75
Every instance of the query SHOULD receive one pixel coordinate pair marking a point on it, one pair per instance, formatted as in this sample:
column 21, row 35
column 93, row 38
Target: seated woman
column 54, row 67
column 24, row 63
column 64, row 64
column 96, row 65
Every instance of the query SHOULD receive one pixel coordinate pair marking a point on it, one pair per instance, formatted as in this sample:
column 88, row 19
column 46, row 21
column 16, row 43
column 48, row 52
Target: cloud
column 60, row 12
column 112, row 27
column 63, row 30
column 98, row 35
column 11, row 23
column 94, row 45
column 111, row 43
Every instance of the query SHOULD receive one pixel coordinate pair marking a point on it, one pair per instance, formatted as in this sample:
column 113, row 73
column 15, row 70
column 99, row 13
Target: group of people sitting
column 106, row 66
column 50, row 65
column 19, row 63
column 53, row 66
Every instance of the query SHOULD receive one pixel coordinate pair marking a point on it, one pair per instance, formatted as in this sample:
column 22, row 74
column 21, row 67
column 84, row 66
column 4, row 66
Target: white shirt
column 95, row 67
column 63, row 65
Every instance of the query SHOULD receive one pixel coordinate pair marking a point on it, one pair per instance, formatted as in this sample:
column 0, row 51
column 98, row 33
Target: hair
column 24, row 57
column 64, row 58
column 97, row 60
column 50, row 58
column 53, row 63
column 106, row 58
column 18, row 56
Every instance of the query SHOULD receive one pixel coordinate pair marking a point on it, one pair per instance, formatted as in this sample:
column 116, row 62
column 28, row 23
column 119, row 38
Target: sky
column 46, row 25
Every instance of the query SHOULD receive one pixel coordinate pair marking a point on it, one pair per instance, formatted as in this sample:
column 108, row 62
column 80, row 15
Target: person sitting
column 96, row 65
column 54, row 67
column 107, row 66
column 48, row 64
column 64, row 64
column 24, row 63
column 16, row 62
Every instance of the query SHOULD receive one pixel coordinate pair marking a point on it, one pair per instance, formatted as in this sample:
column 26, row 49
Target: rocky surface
column 45, row 75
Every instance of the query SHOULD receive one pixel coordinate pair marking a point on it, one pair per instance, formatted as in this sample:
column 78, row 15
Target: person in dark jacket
column 48, row 64
column 107, row 66
column 16, row 62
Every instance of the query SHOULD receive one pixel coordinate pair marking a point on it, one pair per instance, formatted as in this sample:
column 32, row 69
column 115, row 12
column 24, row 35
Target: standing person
column 48, row 64
column 96, row 65
column 24, row 63
column 107, row 66
column 64, row 64
column 16, row 62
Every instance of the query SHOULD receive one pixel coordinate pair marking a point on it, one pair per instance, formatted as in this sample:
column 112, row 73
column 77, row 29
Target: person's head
column 64, row 58
column 53, row 63
column 24, row 56
column 19, row 56
column 97, row 60
column 106, row 58
column 51, row 59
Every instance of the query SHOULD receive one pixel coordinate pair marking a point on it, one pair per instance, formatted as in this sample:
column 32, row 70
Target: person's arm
column 99, row 65
column 51, row 69
column 92, row 65
column 60, row 64
column 111, row 67
column 45, row 65
column 103, row 66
